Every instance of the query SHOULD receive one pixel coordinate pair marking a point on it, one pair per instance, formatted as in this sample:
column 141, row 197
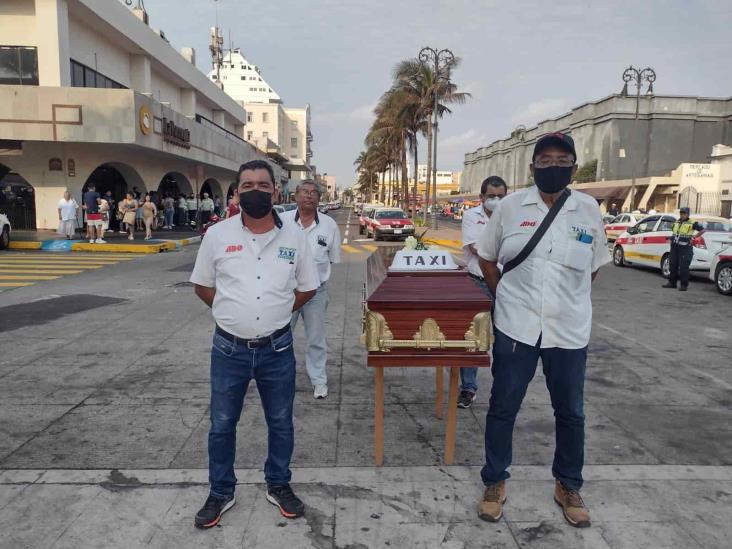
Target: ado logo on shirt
column 287, row 254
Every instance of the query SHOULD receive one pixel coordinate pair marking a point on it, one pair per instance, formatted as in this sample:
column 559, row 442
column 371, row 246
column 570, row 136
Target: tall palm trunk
column 414, row 191
column 429, row 171
column 383, row 187
column 405, row 181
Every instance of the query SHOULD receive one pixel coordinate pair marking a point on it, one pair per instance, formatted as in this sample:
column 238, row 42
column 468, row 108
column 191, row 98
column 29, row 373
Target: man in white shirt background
column 253, row 271
column 543, row 309
column 325, row 243
column 475, row 220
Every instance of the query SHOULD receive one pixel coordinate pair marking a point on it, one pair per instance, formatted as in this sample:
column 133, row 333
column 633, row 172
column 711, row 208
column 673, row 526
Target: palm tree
column 423, row 85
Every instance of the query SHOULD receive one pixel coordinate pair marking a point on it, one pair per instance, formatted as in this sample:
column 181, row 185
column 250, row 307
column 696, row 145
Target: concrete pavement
column 103, row 402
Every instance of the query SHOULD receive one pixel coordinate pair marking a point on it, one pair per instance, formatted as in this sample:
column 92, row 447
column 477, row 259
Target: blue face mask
column 552, row 179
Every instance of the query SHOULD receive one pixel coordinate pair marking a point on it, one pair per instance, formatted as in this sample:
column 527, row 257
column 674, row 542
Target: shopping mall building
column 90, row 93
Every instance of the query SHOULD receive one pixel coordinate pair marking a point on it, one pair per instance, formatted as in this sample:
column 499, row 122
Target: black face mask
column 552, row 179
column 256, row 203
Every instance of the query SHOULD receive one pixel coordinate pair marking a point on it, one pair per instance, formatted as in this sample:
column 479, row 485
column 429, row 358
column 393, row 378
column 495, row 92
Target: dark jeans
column 679, row 262
column 272, row 367
column 514, row 366
column 205, row 217
column 469, row 376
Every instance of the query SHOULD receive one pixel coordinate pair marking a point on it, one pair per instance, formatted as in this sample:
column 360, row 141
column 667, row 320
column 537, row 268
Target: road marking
column 351, row 249
column 370, row 247
column 18, row 270
column 345, row 241
column 27, row 277
column 8, row 270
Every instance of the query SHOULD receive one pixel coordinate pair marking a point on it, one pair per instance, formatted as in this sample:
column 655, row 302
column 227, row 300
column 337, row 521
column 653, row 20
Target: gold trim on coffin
column 378, row 337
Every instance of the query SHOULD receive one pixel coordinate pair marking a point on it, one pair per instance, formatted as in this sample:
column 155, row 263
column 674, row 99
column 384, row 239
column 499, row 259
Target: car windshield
column 390, row 214
column 716, row 226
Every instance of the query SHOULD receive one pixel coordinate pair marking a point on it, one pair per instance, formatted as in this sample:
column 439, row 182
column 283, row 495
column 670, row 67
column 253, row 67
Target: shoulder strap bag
column 538, row 234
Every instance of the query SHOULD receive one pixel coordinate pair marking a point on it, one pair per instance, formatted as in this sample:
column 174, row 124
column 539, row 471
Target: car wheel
column 360, row 229
column 619, row 256
column 723, row 278
column 666, row 266
column 5, row 238
column 377, row 236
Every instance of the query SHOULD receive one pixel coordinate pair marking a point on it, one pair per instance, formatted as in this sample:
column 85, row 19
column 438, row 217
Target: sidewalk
column 45, row 240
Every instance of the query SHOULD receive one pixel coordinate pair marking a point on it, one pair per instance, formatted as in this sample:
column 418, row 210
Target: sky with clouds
column 522, row 60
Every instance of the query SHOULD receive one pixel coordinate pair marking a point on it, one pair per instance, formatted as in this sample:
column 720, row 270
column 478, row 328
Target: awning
column 613, row 193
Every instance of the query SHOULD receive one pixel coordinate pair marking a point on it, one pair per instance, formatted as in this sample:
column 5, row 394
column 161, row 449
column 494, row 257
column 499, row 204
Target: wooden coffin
column 425, row 318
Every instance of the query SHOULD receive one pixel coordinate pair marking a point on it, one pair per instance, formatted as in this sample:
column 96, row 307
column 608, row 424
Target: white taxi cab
column 648, row 242
column 622, row 223
column 721, row 271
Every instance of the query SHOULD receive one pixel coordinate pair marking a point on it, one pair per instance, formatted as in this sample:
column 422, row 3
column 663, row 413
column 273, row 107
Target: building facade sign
column 146, row 120
column 55, row 165
column 172, row 133
column 71, row 167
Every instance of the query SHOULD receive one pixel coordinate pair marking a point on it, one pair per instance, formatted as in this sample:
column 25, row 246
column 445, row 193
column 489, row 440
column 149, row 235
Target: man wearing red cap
column 551, row 243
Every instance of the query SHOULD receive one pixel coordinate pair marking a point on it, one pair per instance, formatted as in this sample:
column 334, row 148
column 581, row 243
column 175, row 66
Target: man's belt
column 252, row 343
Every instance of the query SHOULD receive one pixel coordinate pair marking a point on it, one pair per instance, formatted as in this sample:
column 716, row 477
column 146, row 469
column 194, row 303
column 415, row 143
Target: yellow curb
column 7, row 270
column 129, row 248
column 24, row 245
column 15, row 284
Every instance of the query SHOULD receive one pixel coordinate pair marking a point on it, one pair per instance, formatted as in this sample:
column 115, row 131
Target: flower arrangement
column 416, row 242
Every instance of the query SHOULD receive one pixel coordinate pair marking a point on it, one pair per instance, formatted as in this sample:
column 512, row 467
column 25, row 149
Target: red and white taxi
column 721, row 271
column 382, row 223
column 622, row 223
column 648, row 242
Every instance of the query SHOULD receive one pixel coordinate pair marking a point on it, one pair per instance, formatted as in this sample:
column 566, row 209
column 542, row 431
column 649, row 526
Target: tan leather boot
column 491, row 508
column 571, row 503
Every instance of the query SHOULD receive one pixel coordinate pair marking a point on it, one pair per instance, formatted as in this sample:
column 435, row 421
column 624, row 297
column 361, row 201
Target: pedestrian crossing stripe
column 19, row 270
column 10, row 270
column 28, row 277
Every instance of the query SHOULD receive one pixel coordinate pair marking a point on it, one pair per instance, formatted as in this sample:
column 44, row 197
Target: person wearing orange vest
column 682, row 251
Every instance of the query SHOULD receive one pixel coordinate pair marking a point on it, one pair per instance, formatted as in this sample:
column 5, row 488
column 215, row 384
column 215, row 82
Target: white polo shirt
column 474, row 223
column 549, row 294
column 255, row 275
column 324, row 238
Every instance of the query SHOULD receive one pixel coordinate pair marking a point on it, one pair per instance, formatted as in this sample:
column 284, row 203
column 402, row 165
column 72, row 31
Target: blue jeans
column 514, row 366
column 233, row 366
column 468, row 376
column 169, row 217
column 316, row 354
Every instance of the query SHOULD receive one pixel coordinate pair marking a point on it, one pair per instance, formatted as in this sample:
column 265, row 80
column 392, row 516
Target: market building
column 670, row 132
column 90, row 93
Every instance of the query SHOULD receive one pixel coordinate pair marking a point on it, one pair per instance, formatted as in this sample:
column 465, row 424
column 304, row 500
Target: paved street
column 104, row 417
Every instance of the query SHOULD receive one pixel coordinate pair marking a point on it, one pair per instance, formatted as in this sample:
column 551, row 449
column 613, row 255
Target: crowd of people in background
column 138, row 212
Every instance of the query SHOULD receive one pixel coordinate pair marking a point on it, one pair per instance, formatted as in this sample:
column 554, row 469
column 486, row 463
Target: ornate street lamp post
column 638, row 77
column 442, row 61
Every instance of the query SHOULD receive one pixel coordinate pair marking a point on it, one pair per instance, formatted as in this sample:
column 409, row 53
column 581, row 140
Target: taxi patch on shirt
column 234, row 248
column 322, row 240
column 287, row 254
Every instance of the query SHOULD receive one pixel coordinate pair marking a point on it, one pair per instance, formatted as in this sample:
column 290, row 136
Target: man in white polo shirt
column 543, row 309
column 325, row 243
column 475, row 220
column 253, row 271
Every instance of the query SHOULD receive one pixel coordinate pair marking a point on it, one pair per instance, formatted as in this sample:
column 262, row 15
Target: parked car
column 720, row 271
column 648, row 242
column 279, row 208
column 622, row 223
column 366, row 211
column 5, row 234
column 382, row 223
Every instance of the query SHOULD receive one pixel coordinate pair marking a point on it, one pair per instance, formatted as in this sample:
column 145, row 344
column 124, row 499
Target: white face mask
column 490, row 204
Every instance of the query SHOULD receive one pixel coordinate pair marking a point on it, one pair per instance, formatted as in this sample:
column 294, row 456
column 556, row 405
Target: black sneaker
column 465, row 399
column 683, row 288
column 285, row 499
column 210, row 513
